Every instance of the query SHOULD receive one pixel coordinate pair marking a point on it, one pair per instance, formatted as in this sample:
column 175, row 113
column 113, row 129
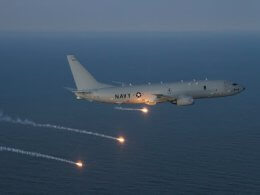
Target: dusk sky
column 129, row 15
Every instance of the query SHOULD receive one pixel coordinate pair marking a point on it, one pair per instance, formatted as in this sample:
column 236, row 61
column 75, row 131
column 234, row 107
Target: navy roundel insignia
column 138, row 94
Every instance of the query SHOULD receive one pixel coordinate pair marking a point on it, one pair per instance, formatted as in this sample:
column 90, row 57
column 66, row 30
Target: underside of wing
column 164, row 98
column 179, row 101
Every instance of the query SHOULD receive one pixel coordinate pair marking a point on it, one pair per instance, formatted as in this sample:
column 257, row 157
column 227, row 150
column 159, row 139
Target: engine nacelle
column 184, row 101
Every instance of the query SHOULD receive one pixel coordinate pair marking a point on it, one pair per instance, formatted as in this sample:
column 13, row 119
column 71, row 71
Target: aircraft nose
column 238, row 88
column 241, row 88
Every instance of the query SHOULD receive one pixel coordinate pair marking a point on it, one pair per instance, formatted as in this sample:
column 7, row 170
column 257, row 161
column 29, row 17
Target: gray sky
column 129, row 15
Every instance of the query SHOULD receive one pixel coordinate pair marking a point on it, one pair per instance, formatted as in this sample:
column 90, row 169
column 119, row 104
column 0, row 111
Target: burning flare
column 39, row 155
column 79, row 164
column 6, row 118
column 121, row 139
column 145, row 110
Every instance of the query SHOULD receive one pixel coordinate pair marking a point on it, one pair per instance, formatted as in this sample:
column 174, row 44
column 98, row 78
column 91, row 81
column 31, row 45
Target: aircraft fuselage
column 180, row 93
column 163, row 92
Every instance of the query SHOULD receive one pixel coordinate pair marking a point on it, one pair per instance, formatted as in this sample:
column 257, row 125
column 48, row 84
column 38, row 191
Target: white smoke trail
column 121, row 108
column 5, row 118
column 144, row 110
column 39, row 155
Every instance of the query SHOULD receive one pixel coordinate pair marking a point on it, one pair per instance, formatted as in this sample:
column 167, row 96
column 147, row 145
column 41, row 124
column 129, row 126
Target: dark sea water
column 212, row 147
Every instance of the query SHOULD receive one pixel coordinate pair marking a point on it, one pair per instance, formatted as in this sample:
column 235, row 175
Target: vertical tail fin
column 83, row 79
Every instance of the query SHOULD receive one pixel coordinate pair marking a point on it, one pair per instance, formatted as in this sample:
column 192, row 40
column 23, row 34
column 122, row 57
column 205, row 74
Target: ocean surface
column 212, row 147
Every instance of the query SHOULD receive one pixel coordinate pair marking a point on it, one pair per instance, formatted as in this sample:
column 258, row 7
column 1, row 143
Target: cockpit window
column 234, row 84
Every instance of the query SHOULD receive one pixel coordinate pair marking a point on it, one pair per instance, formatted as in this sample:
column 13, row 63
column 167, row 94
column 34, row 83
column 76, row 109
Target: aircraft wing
column 180, row 101
column 162, row 97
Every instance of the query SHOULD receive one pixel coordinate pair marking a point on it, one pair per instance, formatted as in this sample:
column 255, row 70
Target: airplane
column 178, row 93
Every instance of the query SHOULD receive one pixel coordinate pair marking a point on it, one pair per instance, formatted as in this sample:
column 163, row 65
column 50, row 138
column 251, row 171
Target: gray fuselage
column 180, row 93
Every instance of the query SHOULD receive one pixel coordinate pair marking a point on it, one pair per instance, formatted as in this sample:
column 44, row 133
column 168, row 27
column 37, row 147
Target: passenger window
column 204, row 87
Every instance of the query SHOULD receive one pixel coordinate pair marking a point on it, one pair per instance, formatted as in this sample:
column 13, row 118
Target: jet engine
column 184, row 101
